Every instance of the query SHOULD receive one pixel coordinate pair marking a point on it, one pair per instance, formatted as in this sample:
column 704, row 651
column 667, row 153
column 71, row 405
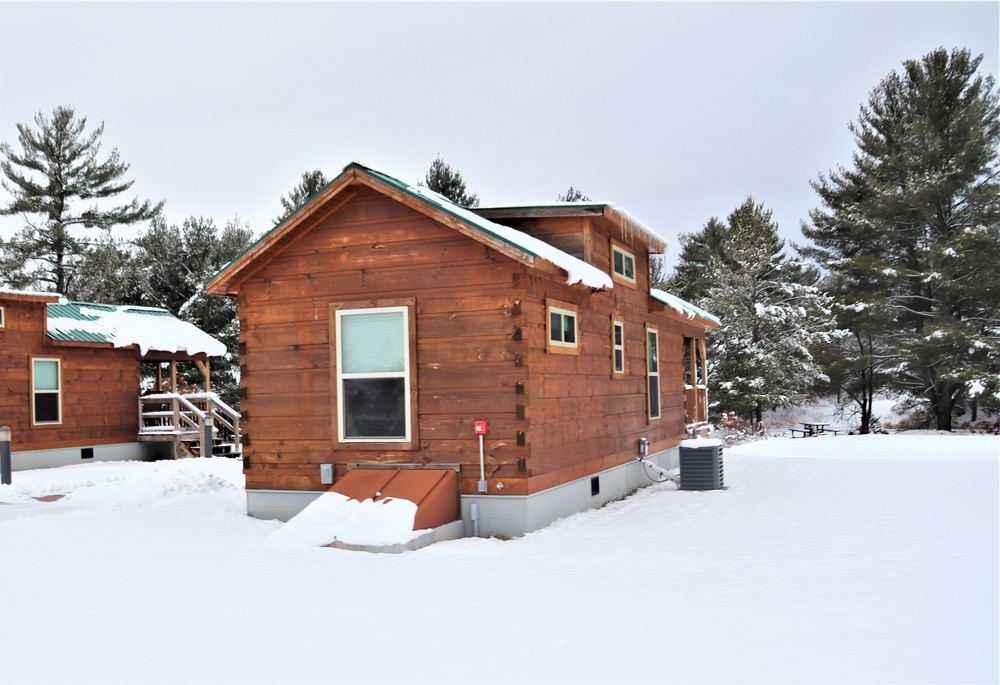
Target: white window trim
column 615, row 347
column 576, row 328
column 615, row 247
column 58, row 391
column 653, row 373
column 404, row 374
column 3, row 318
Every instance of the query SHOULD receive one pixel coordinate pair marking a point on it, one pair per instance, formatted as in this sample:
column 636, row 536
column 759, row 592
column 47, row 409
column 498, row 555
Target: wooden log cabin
column 379, row 322
column 70, row 382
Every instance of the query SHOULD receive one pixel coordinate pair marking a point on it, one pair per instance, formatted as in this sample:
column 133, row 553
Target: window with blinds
column 46, row 391
column 373, row 374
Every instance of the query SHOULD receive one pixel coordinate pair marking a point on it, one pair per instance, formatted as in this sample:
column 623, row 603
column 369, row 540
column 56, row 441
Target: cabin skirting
column 65, row 456
column 504, row 515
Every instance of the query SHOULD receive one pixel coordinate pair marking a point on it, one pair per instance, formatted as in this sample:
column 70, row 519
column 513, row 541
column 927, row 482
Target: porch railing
column 695, row 404
column 172, row 416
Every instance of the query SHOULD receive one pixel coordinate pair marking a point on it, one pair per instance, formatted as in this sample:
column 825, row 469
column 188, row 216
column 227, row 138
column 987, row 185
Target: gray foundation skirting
column 65, row 456
column 503, row 515
column 511, row 516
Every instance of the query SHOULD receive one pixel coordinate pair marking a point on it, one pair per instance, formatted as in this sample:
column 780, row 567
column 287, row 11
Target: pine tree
column 50, row 180
column 573, row 195
column 108, row 273
column 441, row 178
column 172, row 263
column 690, row 279
column 312, row 182
column 912, row 231
column 773, row 315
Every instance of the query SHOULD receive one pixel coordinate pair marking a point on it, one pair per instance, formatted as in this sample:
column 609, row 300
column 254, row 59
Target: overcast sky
column 674, row 111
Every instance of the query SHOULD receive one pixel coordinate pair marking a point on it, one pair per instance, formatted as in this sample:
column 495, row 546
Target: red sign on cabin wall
column 482, row 427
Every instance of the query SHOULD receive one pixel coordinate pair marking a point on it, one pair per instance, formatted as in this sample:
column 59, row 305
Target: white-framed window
column 653, row 373
column 374, row 374
column 622, row 264
column 46, row 391
column 563, row 333
column 617, row 347
column 3, row 321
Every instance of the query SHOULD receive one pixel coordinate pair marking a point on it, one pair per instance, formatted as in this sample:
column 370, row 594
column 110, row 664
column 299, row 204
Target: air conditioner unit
column 701, row 464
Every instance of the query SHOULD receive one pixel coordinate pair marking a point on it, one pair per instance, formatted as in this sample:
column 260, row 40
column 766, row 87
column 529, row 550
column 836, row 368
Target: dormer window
column 622, row 264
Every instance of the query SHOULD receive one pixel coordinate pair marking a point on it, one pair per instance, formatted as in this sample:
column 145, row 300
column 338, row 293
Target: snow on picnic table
column 862, row 559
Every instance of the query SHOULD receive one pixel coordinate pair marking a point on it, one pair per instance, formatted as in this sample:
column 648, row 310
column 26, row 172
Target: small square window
column 563, row 337
column 622, row 263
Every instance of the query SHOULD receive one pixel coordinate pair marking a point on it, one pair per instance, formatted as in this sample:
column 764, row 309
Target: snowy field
column 868, row 559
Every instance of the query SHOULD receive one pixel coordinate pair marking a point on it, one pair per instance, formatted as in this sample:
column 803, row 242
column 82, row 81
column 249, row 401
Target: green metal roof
column 92, row 318
column 149, row 328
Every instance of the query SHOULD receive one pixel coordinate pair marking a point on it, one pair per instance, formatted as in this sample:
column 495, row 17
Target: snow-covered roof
column 6, row 293
column 680, row 306
column 518, row 245
column 629, row 224
column 149, row 328
column 578, row 270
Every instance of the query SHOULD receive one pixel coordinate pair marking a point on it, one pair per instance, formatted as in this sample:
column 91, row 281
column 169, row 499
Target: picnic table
column 811, row 429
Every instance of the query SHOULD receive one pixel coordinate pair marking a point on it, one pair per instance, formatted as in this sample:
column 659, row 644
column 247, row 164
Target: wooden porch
column 198, row 423
column 696, row 384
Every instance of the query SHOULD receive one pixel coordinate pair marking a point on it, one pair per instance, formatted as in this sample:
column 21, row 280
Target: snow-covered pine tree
column 108, row 273
column 312, row 182
column 175, row 262
column 441, row 178
column 690, row 279
column 912, row 231
column 773, row 317
column 56, row 181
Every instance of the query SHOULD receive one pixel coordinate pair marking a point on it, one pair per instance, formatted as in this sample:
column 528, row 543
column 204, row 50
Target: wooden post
column 205, row 368
column 704, row 379
column 173, row 376
column 159, row 377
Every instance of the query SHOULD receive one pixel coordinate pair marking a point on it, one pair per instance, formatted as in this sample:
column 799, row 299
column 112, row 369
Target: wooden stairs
column 198, row 424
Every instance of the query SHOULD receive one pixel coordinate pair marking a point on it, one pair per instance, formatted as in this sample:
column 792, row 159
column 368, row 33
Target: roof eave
column 225, row 282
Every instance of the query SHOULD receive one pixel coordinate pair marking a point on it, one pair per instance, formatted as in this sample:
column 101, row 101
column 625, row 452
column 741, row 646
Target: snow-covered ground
column 863, row 559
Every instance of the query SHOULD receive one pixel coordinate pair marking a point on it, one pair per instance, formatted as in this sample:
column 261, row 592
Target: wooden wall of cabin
column 582, row 417
column 469, row 352
column 100, row 386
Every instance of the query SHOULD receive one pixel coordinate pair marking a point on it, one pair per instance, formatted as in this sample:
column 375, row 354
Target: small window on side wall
column 617, row 348
column 563, row 335
column 622, row 264
column 3, row 321
column 46, row 391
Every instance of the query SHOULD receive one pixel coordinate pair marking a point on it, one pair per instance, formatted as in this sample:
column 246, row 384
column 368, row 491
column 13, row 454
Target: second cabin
column 380, row 322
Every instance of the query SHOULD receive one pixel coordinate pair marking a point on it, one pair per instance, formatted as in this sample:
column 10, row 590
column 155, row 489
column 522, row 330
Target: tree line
column 898, row 291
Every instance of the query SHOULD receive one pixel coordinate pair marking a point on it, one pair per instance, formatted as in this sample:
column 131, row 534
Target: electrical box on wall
column 326, row 474
column 481, row 427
